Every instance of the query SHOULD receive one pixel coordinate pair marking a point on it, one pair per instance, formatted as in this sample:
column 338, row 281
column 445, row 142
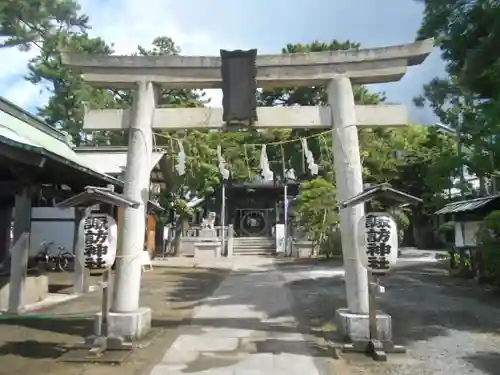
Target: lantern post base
column 356, row 327
column 129, row 325
column 376, row 349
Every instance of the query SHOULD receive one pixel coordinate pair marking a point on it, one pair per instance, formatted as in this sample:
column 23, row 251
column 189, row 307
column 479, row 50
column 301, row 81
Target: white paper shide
column 378, row 242
column 97, row 238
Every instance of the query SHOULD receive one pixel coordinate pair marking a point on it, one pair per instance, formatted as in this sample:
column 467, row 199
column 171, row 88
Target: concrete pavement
column 246, row 327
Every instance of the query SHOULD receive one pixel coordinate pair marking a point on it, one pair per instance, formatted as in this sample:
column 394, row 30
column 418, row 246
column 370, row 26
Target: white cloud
column 123, row 23
column 139, row 22
column 14, row 68
column 26, row 95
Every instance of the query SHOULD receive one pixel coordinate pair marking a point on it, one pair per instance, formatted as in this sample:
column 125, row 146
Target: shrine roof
column 261, row 184
column 467, row 205
column 22, row 130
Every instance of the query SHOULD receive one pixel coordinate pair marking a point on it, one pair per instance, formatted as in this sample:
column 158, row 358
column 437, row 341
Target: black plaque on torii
column 239, row 88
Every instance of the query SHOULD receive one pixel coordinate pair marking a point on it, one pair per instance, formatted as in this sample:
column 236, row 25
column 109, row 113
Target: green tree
column 316, row 95
column 315, row 212
column 467, row 32
column 25, row 23
column 424, row 168
column 70, row 96
column 164, row 46
column 475, row 127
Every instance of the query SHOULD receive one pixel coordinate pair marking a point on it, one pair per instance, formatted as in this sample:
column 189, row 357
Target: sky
column 203, row 27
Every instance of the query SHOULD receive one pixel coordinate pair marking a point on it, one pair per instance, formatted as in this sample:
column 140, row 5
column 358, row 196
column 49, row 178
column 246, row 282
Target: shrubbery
column 488, row 238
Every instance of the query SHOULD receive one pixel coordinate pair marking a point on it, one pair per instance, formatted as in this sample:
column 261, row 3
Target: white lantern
column 378, row 242
column 97, row 238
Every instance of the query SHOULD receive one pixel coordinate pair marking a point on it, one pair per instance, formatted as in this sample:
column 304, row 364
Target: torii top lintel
column 375, row 65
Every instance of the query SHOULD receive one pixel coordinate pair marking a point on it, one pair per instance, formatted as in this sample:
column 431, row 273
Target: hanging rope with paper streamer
column 313, row 167
column 181, row 165
column 265, row 170
column 222, row 164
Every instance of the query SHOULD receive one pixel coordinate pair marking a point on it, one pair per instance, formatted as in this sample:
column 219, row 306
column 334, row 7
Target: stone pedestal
column 130, row 326
column 356, row 327
column 207, row 249
column 302, row 249
column 36, row 289
column 208, row 233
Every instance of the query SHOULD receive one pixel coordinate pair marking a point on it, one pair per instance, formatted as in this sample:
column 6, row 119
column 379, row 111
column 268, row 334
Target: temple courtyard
column 250, row 315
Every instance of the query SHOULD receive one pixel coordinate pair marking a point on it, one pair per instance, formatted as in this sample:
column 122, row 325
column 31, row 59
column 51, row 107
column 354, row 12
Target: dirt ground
column 32, row 343
column 449, row 326
column 62, row 282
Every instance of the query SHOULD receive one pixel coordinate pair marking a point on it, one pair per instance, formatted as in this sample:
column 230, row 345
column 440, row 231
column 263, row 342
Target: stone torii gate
column 336, row 70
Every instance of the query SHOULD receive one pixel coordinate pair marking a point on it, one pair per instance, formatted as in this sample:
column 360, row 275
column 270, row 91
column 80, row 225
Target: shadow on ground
column 423, row 300
column 488, row 362
column 31, row 342
column 426, row 305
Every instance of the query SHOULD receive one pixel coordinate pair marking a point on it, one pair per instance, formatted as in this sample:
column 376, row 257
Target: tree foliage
column 467, row 32
column 314, row 95
column 419, row 166
column 488, row 238
column 26, row 23
column 70, row 96
column 315, row 213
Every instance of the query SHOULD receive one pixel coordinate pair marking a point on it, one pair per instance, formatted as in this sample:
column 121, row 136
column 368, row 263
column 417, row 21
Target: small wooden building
column 467, row 216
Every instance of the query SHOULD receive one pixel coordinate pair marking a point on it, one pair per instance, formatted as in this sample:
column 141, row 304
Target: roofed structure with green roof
column 32, row 150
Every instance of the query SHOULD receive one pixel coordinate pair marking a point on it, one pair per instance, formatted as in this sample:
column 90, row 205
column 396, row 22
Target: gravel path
column 449, row 326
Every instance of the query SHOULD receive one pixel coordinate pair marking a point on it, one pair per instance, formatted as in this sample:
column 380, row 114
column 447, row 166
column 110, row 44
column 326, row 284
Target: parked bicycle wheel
column 62, row 264
column 52, row 263
column 65, row 261
column 42, row 259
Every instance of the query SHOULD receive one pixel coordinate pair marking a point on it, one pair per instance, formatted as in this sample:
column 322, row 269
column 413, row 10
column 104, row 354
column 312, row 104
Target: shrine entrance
column 239, row 74
column 254, row 222
column 254, row 208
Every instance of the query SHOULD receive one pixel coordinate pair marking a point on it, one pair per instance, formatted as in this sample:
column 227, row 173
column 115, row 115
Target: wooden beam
column 22, row 156
column 308, row 117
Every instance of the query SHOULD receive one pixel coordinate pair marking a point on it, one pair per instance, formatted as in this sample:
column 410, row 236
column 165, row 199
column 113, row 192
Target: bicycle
column 54, row 262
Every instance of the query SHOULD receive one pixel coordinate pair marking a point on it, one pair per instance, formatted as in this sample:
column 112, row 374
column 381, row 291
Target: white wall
column 469, row 236
column 52, row 225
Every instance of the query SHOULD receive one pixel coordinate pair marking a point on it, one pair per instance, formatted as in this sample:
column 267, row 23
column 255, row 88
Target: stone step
column 253, row 248
column 254, row 252
column 249, row 248
column 255, row 244
column 254, row 238
column 259, row 240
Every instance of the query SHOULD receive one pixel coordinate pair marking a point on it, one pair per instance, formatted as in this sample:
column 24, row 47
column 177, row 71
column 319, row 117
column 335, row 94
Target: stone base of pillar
column 131, row 326
column 355, row 327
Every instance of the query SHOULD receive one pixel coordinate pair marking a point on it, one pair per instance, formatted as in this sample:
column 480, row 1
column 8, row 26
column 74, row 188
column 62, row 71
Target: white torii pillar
column 337, row 70
column 126, row 290
column 349, row 182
